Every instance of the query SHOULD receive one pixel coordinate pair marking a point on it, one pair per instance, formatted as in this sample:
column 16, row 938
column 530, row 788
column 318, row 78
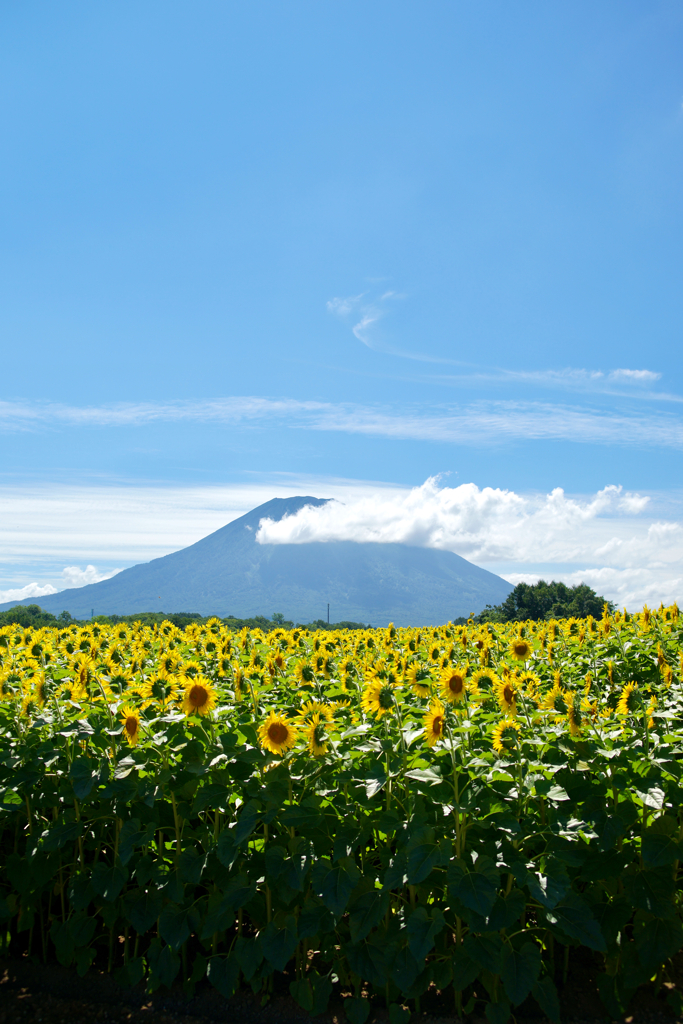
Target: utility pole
column 328, row 613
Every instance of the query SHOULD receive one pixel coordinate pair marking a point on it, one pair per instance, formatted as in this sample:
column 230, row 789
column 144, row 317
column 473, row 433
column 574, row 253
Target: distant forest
column 35, row 616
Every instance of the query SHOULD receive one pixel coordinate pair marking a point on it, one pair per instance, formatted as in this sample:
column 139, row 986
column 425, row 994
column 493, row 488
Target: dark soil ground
column 34, row 992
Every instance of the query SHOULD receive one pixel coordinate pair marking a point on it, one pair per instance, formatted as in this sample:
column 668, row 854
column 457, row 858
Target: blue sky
column 248, row 247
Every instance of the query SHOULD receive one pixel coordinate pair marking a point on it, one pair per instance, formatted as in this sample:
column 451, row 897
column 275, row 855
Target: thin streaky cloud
column 481, row 423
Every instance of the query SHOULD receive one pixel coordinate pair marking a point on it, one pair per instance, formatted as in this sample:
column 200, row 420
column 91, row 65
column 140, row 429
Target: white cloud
column 478, row 423
column 634, row 541
column 30, row 590
column 71, row 576
column 75, row 577
column 636, row 376
column 605, row 533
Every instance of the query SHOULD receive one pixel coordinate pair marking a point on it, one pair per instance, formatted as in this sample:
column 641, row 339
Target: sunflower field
column 379, row 815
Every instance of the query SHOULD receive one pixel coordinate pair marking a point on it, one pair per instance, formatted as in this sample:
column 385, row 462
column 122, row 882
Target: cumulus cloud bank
column 632, row 558
column 72, row 576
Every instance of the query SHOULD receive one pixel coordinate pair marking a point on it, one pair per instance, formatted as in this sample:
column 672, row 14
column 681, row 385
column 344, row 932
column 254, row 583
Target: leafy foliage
column 376, row 810
column 544, row 600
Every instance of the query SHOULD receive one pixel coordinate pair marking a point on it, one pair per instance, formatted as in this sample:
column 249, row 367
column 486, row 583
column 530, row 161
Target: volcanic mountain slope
column 229, row 573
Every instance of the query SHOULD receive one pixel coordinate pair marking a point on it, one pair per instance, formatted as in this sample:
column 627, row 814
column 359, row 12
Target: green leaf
column 657, row 941
column 191, row 866
column 366, row 912
column 357, row 1010
column 240, row 891
column 498, row 1013
column 548, row 889
column 219, row 916
column 305, row 818
column 573, row 917
column 659, row 850
column 83, row 774
column 142, row 908
column 135, row 970
column 652, row 890
column 653, row 797
column 465, row 969
column 174, row 925
column 485, row 950
column 302, row 993
column 376, row 781
column 315, row 919
column 472, row 888
column 250, row 817
column 422, row 931
column 612, row 995
column 322, row 990
column 59, row 835
column 429, row 776
column 278, row 944
column 164, row 963
column 335, row 884
column 249, row 956
column 520, row 969
column 506, row 911
column 81, row 929
column 398, row 1014
column 108, row 881
column 227, row 850
column 422, row 859
column 223, row 972
column 404, row 969
column 276, row 857
column 368, row 960
column 545, row 994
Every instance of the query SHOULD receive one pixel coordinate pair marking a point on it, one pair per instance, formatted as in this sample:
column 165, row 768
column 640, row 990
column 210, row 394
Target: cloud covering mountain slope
column 229, row 572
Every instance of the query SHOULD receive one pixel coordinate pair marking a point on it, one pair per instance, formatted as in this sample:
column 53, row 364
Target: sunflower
column 277, row 734
column 649, row 712
column 162, row 689
column 71, row 691
column 531, row 685
column 200, row 696
column 304, row 672
column 237, row 679
column 30, row 705
column 316, row 734
column 519, row 649
column 433, row 722
column 485, row 679
column 130, row 719
column 119, row 683
column 576, row 714
column 453, row 684
column 378, row 698
column 556, row 700
column 314, row 707
column 506, row 691
column 629, row 701
column 505, row 735
column 419, row 679
column 42, row 688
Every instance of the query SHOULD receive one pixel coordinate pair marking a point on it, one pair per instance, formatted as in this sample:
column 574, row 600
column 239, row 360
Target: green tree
column 545, row 600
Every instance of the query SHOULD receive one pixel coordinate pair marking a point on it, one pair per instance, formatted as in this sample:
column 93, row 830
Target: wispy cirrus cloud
column 480, row 423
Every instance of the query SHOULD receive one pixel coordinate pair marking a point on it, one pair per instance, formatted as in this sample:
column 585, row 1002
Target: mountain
column 228, row 573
